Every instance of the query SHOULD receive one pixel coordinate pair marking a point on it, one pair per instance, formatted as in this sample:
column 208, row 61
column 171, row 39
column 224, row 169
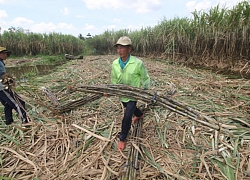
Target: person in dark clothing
column 9, row 99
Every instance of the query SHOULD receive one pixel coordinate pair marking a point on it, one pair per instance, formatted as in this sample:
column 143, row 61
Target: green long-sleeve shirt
column 133, row 74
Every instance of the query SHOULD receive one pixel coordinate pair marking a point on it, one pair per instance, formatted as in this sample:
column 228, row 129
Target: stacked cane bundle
column 152, row 98
column 8, row 81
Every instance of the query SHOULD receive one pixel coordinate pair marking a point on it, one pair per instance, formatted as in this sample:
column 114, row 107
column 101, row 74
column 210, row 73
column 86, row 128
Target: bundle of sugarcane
column 8, row 81
column 77, row 103
column 153, row 98
column 61, row 108
column 51, row 96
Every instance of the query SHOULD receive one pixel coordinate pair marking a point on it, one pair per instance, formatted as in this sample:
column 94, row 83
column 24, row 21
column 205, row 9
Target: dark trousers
column 127, row 118
column 10, row 101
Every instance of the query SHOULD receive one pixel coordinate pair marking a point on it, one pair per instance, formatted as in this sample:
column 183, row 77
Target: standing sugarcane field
column 196, row 121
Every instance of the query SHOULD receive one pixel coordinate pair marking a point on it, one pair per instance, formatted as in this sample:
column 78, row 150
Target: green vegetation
column 50, row 60
column 23, row 44
column 217, row 38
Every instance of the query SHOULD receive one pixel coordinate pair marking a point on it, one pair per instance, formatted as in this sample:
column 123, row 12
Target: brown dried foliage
column 81, row 144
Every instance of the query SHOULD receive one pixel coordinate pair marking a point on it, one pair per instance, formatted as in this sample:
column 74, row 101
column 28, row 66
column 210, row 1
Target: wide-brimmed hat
column 124, row 41
column 3, row 49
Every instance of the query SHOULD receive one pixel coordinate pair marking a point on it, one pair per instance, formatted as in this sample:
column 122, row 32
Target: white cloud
column 129, row 27
column 208, row 4
column 137, row 5
column 51, row 27
column 228, row 3
column 99, row 4
column 7, row 1
column 110, row 27
column 194, row 5
column 65, row 26
column 21, row 21
column 65, row 11
column 43, row 27
column 89, row 27
column 93, row 30
column 132, row 27
column 116, row 20
column 3, row 14
column 142, row 6
column 3, row 26
column 80, row 16
column 191, row 6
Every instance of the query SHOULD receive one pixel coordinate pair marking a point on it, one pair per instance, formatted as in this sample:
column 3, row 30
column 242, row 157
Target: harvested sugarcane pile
column 81, row 142
column 153, row 98
column 77, row 103
column 139, row 94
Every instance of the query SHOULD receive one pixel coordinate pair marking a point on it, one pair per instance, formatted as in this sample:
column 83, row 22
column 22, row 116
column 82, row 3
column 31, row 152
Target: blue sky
column 95, row 16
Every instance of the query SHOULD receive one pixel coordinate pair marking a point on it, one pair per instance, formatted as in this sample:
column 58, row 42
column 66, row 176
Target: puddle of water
column 21, row 72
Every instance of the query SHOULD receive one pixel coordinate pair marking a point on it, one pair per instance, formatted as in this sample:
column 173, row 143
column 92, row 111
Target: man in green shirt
column 128, row 70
